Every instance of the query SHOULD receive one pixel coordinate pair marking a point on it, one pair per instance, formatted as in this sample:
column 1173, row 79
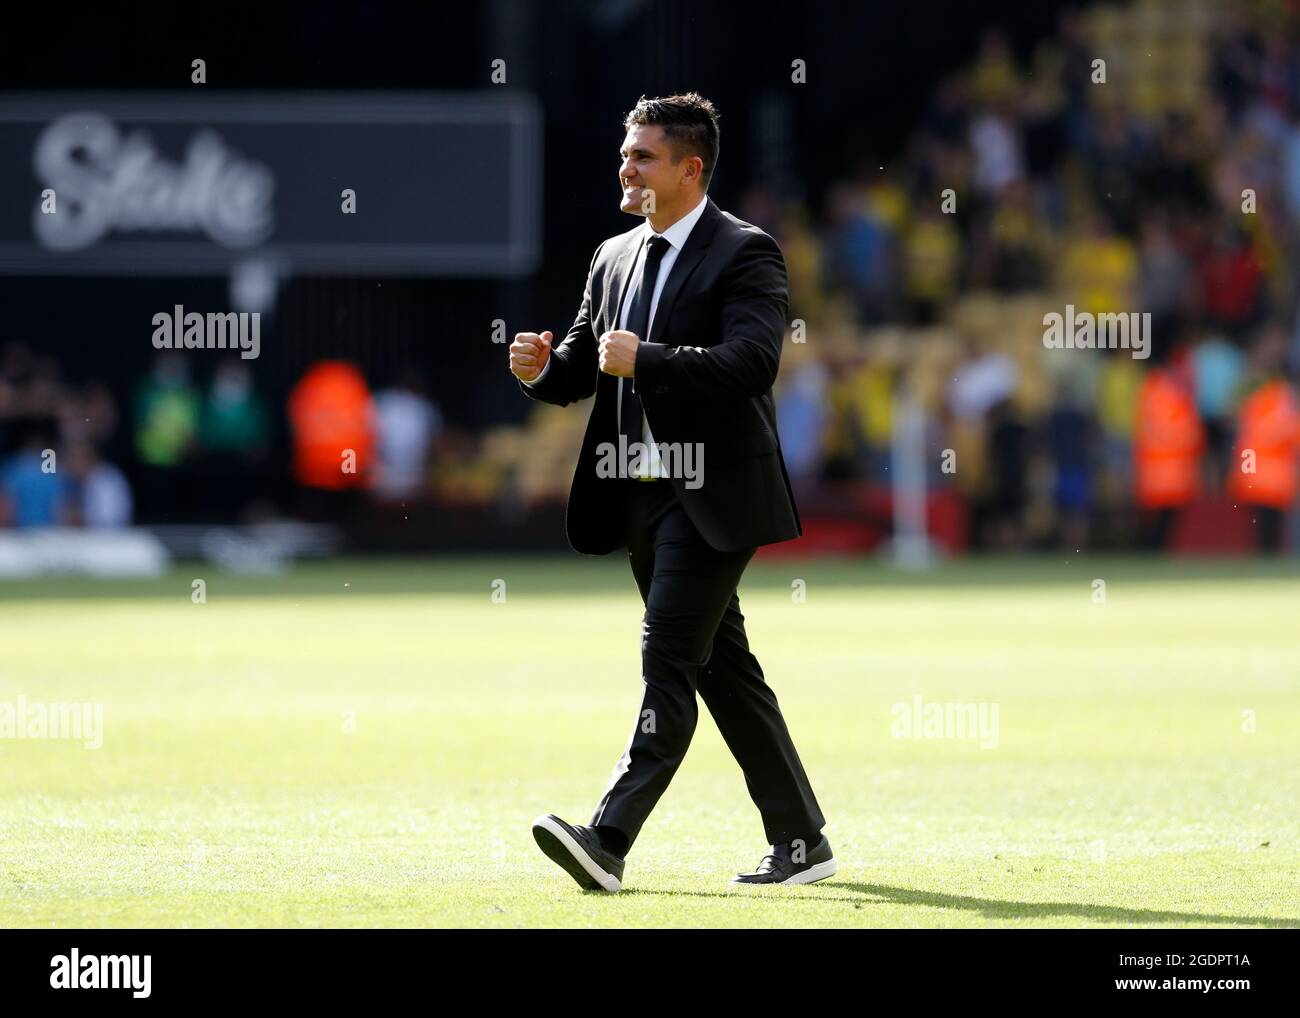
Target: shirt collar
column 677, row 233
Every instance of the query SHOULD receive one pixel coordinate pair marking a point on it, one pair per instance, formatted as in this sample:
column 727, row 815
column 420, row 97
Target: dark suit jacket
column 705, row 375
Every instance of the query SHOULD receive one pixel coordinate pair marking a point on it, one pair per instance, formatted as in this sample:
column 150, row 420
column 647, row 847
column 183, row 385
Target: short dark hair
column 690, row 124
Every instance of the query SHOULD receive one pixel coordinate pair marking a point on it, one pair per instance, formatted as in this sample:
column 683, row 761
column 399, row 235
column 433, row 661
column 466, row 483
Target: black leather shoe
column 577, row 851
column 817, row 863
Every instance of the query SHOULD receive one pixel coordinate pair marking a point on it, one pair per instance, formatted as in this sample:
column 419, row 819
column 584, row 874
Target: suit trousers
column 693, row 640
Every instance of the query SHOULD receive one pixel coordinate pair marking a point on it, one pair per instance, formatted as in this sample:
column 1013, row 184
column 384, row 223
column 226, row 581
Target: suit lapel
column 619, row 276
column 692, row 253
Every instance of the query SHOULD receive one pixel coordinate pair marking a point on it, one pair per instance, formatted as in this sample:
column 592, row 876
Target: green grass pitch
column 366, row 744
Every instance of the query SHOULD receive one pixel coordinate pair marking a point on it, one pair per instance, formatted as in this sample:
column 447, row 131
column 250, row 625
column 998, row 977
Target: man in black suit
column 679, row 338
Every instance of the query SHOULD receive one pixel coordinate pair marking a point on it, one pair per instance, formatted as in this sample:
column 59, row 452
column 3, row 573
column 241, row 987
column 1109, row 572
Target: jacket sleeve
column 571, row 370
column 755, row 299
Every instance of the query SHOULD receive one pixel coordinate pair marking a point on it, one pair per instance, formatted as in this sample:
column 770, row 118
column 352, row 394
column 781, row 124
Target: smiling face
column 647, row 163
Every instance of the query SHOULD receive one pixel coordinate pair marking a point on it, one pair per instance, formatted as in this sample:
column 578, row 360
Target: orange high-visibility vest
column 1168, row 440
column 1268, row 428
column 333, row 427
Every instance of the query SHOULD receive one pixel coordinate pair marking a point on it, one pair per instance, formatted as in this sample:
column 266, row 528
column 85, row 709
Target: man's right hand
column 529, row 354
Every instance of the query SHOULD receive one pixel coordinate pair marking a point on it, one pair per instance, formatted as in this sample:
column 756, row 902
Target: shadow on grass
column 993, row 908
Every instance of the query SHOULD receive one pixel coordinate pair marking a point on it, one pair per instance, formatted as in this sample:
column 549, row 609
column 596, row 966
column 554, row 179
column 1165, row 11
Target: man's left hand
column 618, row 353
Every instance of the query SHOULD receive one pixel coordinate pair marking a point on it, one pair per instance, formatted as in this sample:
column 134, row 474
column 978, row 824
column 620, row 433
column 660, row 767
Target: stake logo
column 106, row 182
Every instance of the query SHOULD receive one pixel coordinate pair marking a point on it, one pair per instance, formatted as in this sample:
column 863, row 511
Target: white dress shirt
column 676, row 236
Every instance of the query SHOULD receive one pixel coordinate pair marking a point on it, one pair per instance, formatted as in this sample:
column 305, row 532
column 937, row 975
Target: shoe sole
column 811, row 875
column 562, row 849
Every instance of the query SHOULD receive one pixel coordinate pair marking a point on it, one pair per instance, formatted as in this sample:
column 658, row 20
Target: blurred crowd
column 213, row 450
column 53, row 441
column 1143, row 159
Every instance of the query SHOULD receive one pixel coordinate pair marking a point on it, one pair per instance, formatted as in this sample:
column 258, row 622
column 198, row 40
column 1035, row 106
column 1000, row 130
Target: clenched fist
column 618, row 353
column 529, row 354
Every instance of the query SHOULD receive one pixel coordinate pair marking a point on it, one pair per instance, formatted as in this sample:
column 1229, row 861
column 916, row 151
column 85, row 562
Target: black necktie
column 638, row 322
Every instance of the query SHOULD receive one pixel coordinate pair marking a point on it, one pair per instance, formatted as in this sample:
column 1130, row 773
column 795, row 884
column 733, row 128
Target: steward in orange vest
column 1168, row 440
column 1264, row 469
column 332, row 417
